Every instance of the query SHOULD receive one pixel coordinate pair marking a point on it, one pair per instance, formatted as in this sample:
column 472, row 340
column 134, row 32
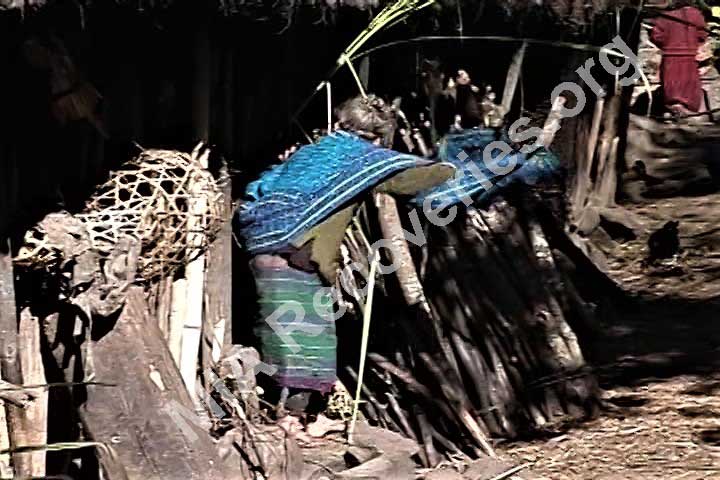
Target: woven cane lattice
column 165, row 200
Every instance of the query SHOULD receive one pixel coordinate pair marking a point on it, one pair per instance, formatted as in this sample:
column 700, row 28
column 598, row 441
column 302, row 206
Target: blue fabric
column 289, row 199
column 466, row 150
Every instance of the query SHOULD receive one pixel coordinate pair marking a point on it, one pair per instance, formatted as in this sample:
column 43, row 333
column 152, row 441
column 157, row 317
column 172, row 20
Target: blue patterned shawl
column 300, row 193
column 466, row 149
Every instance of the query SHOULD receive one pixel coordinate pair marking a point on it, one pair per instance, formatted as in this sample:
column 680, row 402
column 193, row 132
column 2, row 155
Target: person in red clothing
column 679, row 33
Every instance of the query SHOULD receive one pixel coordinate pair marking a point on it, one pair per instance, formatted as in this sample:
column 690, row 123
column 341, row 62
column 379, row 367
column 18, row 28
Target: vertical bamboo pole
column 177, row 318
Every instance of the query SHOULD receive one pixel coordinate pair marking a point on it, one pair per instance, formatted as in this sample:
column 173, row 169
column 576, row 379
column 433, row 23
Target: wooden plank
column 136, row 417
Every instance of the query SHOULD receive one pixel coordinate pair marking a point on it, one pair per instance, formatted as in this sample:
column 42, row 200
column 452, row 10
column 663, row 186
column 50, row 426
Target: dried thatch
column 573, row 12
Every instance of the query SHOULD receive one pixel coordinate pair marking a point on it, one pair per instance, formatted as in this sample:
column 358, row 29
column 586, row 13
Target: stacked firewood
column 496, row 355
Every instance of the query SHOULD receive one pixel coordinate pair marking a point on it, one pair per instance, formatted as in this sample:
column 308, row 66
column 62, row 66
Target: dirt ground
column 659, row 361
column 662, row 430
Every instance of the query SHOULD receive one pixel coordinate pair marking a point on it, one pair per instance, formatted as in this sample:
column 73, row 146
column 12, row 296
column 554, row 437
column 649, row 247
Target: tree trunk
column 148, row 418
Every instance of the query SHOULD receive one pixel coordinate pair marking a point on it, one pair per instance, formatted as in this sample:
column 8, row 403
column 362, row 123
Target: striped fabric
column 296, row 336
column 289, row 199
column 467, row 148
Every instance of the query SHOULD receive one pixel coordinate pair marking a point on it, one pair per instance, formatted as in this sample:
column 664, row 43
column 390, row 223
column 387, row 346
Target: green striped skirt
column 296, row 328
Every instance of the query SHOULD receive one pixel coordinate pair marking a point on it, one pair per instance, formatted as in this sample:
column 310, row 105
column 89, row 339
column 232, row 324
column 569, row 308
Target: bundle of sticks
column 495, row 355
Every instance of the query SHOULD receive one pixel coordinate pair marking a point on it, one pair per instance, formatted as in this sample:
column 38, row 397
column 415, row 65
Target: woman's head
column 369, row 117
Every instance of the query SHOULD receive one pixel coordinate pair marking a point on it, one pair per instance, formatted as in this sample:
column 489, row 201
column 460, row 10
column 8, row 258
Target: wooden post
column 6, row 470
column 32, row 418
column 606, row 158
column 218, row 306
column 8, row 345
column 22, row 364
column 511, row 80
column 583, row 183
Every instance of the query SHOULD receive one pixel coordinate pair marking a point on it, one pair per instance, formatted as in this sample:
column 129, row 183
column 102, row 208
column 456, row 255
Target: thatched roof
column 231, row 7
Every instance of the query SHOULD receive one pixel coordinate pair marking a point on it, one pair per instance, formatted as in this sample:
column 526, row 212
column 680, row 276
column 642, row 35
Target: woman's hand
column 288, row 152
